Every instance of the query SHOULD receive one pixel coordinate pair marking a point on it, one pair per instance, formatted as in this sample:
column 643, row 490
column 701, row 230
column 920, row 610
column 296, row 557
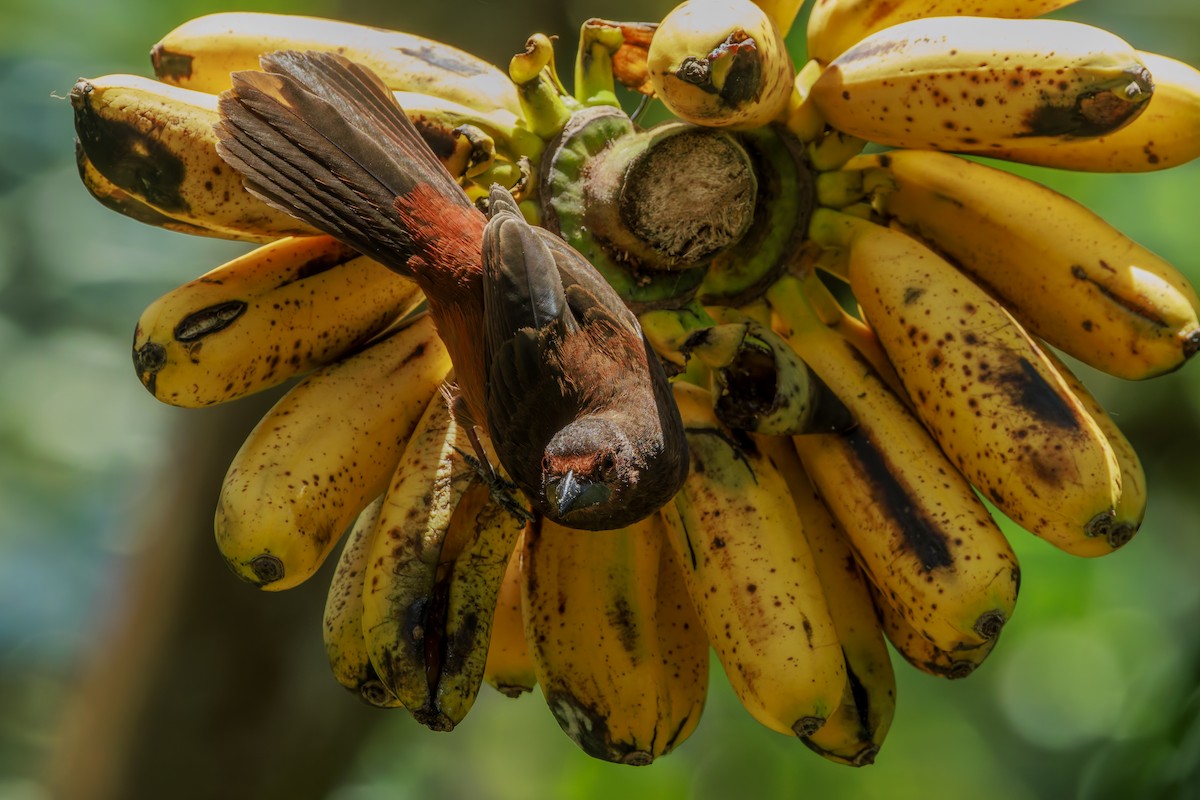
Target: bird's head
column 590, row 476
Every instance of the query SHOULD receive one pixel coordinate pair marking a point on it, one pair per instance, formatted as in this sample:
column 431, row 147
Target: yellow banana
column 1165, row 135
column 117, row 199
column 854, row 733
column 970, row 82
column 200, row 54
column 1066, row 274
column 482, row 536
column 985, row 390
column 157, row 143
column 342, row 628
column 721, row 63
column 782, row 12
column 591, row 608
column 924, row 654
column 403, row 620
column 735, row 533
column 322, row 453
column 920, row 533
column 683, row 649
column 835, row 26
column 1131, row 505
column 509, row 668
column 254, row 322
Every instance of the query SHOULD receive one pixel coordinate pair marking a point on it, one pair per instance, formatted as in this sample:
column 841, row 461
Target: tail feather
column 323, row 139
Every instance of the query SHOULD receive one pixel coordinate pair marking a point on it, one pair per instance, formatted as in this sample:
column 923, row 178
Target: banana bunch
column 862, row 344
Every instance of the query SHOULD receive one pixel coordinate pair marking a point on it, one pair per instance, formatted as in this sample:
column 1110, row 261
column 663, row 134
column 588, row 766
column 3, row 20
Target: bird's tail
column 323, row 139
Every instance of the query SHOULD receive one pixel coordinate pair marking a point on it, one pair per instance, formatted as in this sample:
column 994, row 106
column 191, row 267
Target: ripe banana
column 921, row 534
column 266, row 316
column 835, row 26
column 721, row 63
column 591, row 620
column 1131, row 506
column 342, row 628
column 855, row 732
column 509, row 668
column 201, row 53
column 1163, row 136
column 950, row 83
column 404, row 603
column 322, row 453
column 924, row 654
column 734, row 531
column 683, row 648
column 157, row 143
column 985, row 390
column 117, row 199
column 482, row 536
column 1067, row 275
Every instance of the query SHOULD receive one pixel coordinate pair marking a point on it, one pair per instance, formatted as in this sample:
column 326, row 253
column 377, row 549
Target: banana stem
column 835, row 232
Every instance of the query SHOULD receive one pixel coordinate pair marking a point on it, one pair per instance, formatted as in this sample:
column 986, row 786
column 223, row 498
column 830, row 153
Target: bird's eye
column 607, row 463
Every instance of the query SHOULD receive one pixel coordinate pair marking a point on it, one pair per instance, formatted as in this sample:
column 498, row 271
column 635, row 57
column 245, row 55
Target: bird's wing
column 521, row 285
column 323, row 139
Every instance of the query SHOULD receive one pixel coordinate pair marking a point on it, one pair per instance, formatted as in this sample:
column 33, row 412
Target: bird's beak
column 569, row 493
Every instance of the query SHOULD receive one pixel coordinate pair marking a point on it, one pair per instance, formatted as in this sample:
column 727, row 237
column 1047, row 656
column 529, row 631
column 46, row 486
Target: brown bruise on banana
column 960, row 604
column 300, row 314
column 924, row 654
column 1004, row 391
column 1003, row 101
column 164, row 152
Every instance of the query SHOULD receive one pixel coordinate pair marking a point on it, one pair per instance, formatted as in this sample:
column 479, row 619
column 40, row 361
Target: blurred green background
column 132, row 664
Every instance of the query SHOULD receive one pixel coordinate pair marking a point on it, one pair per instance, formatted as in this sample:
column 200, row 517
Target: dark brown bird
column 548, row 360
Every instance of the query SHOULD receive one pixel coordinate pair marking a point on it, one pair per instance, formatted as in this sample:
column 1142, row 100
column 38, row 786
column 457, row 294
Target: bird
column 549, row 362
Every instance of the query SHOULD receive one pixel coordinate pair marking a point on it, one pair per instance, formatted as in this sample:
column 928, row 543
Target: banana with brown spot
column 200, row 54
column 341, row 629
column 736, row 535
column 1066, row 274
column 683, row 648
column 117, row 199
column 1165, row 135
column 986, row 391
column 404, row 603
column 835, row 26
column 1131, row 506
column 273, row 313
column 924, row 654
column 156, row 142
column 948, row 83
column 591, row 620
column 483, row 533
column 854, row 733
column 322, row 454
column 921, row 534
column 721, row 63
